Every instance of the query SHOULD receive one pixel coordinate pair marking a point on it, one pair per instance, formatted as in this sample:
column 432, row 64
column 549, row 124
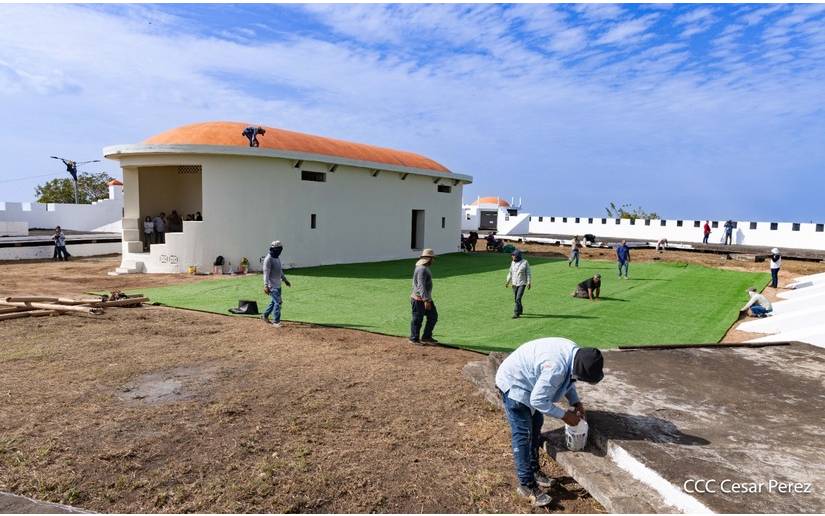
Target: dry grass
column 305, row 419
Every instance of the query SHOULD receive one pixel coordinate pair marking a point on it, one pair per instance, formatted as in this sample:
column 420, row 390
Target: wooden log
column 121, row 302
column 87, row 301
column 13, row 309
column 29, row 299
column 31, row 313
column 41, row 313
column 63, row 308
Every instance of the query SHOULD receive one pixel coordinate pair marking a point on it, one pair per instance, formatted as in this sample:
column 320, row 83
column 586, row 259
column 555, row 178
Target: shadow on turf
column 445, row 266
column 608, row 298
column 556, row 316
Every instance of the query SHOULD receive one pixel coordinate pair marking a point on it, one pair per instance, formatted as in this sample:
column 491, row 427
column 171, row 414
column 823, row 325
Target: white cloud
column 568, row 40
column 477, row 97
column 627, row 32
column 600, row 11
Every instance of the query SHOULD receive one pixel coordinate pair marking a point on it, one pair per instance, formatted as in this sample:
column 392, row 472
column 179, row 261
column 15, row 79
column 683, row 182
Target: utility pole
column 71, row 168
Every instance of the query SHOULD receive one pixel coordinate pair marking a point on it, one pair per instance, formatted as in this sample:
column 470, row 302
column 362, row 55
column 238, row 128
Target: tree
column 90, row 187
column 627, row 211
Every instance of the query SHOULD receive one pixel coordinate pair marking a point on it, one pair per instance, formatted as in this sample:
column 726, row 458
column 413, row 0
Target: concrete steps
column 128, row 267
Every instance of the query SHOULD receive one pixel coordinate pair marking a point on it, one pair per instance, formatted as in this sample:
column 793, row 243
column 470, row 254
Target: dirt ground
column 161, row 410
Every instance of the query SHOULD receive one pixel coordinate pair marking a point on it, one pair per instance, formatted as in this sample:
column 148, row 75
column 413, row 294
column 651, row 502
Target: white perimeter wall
column 14, row 228
column 80, row 217
column 250, row 201
column 784, row 236
column 47, row 251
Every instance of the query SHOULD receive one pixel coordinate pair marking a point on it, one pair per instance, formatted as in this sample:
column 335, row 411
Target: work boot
column 276, row 324
column 429, row 340
column 543, row 480
column 535, row 495
column 414, row 342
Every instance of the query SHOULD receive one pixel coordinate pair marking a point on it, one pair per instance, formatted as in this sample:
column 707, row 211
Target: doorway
column 417, row 230
column 488, row 220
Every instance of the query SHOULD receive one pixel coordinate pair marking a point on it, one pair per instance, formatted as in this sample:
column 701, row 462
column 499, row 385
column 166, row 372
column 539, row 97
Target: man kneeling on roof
column 589, row 288
column 531, row 380
column 758, row 306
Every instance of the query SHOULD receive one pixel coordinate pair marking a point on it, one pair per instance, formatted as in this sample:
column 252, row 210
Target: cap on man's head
column 276, row 243
column 588, row 364
column 774, row 251
column 427, row 253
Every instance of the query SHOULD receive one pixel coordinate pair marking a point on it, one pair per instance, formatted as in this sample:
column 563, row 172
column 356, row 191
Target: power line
column 28, row 177
column 40, row 176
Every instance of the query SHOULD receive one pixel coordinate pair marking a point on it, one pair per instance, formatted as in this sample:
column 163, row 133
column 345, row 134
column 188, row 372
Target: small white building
column 487, row 214
column 329, row 201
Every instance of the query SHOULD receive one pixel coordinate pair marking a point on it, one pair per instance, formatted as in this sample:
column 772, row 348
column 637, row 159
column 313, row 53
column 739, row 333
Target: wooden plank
column 86, row 301
column 31, row 313
column 121, row 302
column 13, row 309
column 29, row 299
column 63, row 308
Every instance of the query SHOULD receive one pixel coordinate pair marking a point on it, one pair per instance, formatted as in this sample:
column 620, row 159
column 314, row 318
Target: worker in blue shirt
column 623, row 258
column 531, row 380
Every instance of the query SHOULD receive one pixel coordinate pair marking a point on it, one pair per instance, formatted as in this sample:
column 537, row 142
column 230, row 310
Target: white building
column 329, row 201
column 16, row 218
column 486, row 214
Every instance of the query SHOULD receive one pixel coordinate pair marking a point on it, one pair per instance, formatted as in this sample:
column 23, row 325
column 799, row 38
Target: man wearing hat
column 519, row 276
column 531, row 380
column 273, row 275
column 776, row 264
column 421, row 300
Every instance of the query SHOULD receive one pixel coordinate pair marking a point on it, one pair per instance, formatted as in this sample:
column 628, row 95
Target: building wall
column 249, row 201
column 45, row 252
column 80, row 217
column 806, row 237
column 14, row 228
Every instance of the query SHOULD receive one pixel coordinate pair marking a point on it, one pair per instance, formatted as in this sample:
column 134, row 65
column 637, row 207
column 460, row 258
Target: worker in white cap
column 273, row 276
column 421, row 300
column 776, row 264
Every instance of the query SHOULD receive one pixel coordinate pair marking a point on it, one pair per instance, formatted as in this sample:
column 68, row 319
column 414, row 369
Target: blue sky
column 688, row 110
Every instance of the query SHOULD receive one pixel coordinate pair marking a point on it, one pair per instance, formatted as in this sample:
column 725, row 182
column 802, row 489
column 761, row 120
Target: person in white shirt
column 148, row 231
column 520, row 278
column 776, row 264
column 531, row 380
column 758, row 306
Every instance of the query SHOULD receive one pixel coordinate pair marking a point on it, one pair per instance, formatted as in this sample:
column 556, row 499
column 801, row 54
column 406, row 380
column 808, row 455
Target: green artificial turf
column 661, row 303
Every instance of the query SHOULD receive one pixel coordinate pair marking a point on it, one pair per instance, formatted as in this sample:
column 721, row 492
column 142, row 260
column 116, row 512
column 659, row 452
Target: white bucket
column 575, row 437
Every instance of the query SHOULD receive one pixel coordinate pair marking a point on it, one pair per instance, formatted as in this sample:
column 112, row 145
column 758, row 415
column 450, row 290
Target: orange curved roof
column 229, row 133
column 114, row 182
column 491, row 200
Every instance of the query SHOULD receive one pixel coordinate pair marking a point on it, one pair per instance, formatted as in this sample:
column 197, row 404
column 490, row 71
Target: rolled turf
column 661, row 303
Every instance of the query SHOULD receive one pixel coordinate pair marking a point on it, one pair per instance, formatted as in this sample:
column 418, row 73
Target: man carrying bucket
column 531, row 380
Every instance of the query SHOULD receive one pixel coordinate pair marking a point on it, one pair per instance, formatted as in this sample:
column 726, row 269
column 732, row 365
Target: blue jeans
column 760, row 310
column 705, row 239
column 418, row 314
column 518, row 293
column 525, row 428
column 574, row 257
column 623, row 266
column 774, row 278
column 274, row 305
